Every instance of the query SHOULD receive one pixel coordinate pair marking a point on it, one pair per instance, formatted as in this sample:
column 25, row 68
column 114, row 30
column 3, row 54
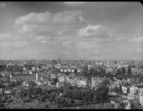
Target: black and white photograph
column 71, row 55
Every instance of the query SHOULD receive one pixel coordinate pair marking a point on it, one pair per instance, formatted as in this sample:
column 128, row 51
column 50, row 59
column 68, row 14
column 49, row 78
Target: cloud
column 74, row 4
column 41, row 37
column 53, row 24
column 65, row 43
column 6, row 44
column 2, row 5
column 13, row 44
column 89, row 30
column 4, row 35
column 138, row 39
column 81, row 19
column 20, row 44
column 98, row 31
column 44, row 41
column 65, row 17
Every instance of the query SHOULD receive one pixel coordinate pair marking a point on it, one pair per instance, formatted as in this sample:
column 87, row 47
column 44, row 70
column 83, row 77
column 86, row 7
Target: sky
column 71, row 30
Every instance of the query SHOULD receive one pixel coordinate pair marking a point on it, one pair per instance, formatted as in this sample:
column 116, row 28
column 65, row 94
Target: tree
column 123, row 70
column 65, row 90
column 91, row 72
column 84, row 72
column 13, row 84
column 121, row 105
column 75, row 93
column 102, row 91
column 39, row 90
column 129, row 70
column 70, row 93
column 97, row 96
column 94, row 98
column 32, row 83
column 80, row 94
column 116, row 89
column 47, row 106
column 91, row 96
column 118, row 71
column 19, row 82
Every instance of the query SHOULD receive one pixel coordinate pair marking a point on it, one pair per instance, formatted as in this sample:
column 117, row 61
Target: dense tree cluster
column 88, row 95
column 2, row 67
column 11, row 68
column 32, row 83
column 129, row 70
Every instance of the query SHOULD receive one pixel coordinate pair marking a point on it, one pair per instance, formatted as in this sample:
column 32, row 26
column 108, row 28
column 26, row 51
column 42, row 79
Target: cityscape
column 71, row 55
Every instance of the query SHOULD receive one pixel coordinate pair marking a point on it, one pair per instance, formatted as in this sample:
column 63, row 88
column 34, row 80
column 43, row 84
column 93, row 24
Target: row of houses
column 70, row 72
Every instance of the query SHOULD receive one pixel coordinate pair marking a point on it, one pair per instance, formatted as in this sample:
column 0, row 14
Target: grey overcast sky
column 71, row 30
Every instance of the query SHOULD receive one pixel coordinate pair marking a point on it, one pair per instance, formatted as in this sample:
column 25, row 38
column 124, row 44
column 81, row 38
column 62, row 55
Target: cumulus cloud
column 98, row 31
column 74, row 4
column 85, row 31
column 81, row 19
column 53, row 24
column 65, row 17
column 137, row 39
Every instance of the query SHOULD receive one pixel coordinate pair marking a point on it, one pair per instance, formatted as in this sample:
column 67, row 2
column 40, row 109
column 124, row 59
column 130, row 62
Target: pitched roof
column 72, row 74
column 23, row 77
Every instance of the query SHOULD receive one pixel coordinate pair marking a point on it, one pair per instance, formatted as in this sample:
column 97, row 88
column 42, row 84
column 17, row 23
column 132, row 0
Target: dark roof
column 18, row 75
column 127, row 76
column 23, row 77
column 118, row 76
column 139, row 86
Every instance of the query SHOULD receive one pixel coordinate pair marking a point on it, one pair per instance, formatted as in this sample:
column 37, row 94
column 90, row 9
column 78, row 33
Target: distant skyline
column 71, row 30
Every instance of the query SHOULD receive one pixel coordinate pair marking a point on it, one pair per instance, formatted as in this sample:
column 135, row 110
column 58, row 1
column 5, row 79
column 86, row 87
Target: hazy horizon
column 71, row 30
